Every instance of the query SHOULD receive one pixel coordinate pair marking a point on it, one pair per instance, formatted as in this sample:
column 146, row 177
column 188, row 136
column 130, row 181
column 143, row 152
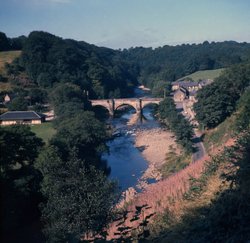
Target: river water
column 125, row 160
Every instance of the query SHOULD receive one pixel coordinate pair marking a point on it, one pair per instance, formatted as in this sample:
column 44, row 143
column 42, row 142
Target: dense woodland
column 58, row 192
column 218, row 100
column 48, row 60
column 173, row 62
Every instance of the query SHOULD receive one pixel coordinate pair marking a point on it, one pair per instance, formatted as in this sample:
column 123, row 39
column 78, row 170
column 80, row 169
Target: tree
column 19, row 180
column 68, row 93
column 18, row 104
column 79, row 198
column 161, row 89
column 37, row 95
column 176, row 123
column 218, row 101
column 84, row 133
column 4, row 42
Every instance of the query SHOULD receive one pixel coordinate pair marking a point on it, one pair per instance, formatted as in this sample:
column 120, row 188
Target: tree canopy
column 19, row 181
column 218, row 100
column 79, row 198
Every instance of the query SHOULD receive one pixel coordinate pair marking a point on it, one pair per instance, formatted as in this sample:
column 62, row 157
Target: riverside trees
column 78, row 195
column 176, row 123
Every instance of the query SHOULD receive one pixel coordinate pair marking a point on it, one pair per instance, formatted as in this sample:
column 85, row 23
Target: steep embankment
column 216, row 207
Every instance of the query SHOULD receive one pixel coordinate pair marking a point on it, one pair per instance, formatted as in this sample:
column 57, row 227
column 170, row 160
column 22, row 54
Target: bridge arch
column 101, row 111
column 150, row 103
column 137, row 103
column 122, row 105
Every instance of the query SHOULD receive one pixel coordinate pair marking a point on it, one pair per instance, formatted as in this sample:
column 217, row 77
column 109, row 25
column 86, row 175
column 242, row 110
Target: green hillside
column 206, row 74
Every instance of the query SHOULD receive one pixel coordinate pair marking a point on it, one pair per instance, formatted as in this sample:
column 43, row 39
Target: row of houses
column 187, row 89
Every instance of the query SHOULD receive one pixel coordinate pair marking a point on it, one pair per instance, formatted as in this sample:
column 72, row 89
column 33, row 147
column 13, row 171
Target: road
column 200, row 151
column 199, row 146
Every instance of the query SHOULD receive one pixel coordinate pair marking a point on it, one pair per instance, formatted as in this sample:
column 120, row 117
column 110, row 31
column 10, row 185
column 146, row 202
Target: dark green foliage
column 79, row 198
column 4, row 42
column 7, row 44
column 173, row 62
column 18, row 42
column 83, row 133
column 38, row 96
column 67, row 93
column 18, row 145
column 19, row 181
column 161, row 89
column 243, row 112
column 218, row 100
column 18, row 104
column 49, row 59
column 176, row 123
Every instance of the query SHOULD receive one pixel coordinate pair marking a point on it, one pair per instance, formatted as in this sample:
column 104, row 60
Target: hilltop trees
column 173, row 62
column 7, row 44
column 4, row 42
column 49, row 60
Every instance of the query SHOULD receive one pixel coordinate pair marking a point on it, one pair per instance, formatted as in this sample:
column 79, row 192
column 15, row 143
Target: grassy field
column 44, row 131
column 7, row 56
column 206, row 74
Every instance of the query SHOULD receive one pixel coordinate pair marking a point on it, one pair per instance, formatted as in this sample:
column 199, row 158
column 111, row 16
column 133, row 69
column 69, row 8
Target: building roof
column 186, row 84
column 181, row 90
column 206, row 82
column 192, row 93
column 21, row 115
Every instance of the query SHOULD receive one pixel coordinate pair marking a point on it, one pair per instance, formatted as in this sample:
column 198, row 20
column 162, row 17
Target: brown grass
column 7, row 57
column 168, row 194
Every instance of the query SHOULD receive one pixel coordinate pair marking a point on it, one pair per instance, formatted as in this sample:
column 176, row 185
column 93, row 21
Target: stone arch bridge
column 137, row 103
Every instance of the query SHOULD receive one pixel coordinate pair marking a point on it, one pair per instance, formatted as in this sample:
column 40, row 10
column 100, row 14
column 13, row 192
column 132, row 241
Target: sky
column 129, row 23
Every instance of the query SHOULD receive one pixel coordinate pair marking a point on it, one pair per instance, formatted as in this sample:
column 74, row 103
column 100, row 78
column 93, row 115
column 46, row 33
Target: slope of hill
column 7, row 57
column 205, row 74
column 210, row 211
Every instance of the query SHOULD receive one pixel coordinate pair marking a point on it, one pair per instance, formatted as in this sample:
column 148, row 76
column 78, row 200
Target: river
column 125, row 160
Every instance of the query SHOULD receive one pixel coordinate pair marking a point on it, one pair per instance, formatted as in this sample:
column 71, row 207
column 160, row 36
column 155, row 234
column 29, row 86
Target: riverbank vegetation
column 74, row 178
column 177, row 123
column 174, row 162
